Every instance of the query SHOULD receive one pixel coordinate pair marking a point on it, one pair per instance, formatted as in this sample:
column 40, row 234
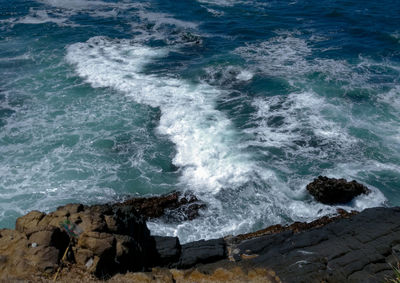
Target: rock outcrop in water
column 110, row 239
column 335, row 191
column 174, row 206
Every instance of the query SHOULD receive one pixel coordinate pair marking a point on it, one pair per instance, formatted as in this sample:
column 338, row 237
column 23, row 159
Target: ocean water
column 242, row 102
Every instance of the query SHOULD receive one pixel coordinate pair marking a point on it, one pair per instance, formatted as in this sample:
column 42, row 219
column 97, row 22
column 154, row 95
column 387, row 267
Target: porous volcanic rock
column 335, row 191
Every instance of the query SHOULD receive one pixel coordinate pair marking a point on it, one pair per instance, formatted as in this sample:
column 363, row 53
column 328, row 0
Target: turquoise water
column 241, row 102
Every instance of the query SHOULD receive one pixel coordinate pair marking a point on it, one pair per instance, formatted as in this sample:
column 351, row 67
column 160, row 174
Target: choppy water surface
column 241, row 102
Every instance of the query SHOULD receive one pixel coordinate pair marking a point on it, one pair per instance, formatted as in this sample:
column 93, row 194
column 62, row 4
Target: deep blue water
column 241, row 102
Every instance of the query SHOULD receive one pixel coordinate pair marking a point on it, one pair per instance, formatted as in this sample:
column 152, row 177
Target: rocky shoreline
column 112, row 242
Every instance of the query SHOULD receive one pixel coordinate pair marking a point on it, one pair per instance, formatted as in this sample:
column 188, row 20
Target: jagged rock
column 108, row 238
column 113, row 239
column 175, row 205
column 201, row 252
column 333, row 191
column 296, row 227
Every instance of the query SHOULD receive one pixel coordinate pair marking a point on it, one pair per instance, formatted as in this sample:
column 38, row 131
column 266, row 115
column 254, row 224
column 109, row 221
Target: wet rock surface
column 175, row 206
column 335, row 191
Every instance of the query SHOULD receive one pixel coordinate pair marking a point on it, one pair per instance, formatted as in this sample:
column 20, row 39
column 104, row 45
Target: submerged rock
column 334, row 191
column 175, row 206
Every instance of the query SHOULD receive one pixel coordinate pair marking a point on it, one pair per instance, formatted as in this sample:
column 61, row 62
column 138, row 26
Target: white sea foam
column 227, row 76
column 240, row 192
column 245, row 75
column 278, row 56
column 215, row 13
column 26, row 56
column 295, row 123
column 165, row 27
column 395, row 35
column 204, row 137
column 87, row 5
column 38, row 16
column 391, row 98
column 223, row 3
column 61, row 12
column 230, row 3
column 165, row 19
column 291, row 56
column 305, row 125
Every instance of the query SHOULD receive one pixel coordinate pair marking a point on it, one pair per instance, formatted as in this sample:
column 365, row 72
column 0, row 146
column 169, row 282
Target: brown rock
column 45, row 259
column 93, row 265
column 20, row 258
column 97, row 242
column 123, row 245
column 13, row 245
column 82, row 255
column 111, row 223
column 29, row 222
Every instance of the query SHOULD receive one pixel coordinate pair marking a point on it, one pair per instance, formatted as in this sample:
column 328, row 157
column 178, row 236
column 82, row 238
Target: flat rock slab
column 357, row 249
column 201, row 252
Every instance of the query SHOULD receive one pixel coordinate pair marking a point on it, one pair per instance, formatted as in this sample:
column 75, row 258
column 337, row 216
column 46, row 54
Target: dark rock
column 191, row 38
column 355, row 249
column 175, row 206
column 295, row 227
column 168, row 249
column 201, row 252
column 333, row 191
